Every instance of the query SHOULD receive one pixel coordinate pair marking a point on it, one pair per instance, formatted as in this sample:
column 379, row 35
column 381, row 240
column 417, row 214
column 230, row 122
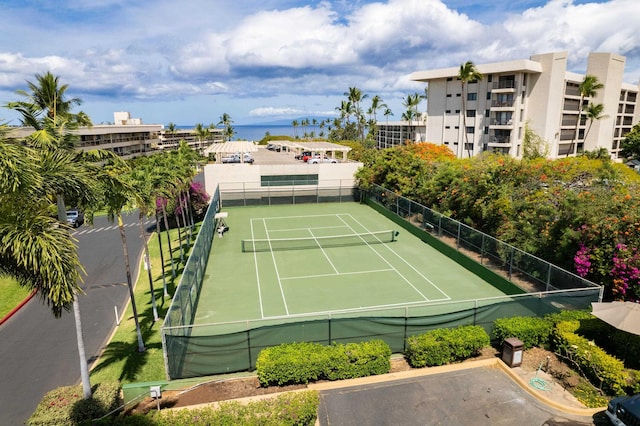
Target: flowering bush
column 582, row 260
column 626, row 273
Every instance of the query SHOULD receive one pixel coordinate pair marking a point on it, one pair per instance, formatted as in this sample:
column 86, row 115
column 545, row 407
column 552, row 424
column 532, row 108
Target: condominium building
column 129, row 138
column 539, row 92
column 394, row 133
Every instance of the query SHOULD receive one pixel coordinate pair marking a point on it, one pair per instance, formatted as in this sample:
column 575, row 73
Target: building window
column 472, row 96
column 447, row 127
column 471, row 113
column 488, row 96
column 486, row 130
column 487, row 113
column 490, row 78
column 471, row 130
column 448, row 95
column 448, row 111
column 449, row 78
column 457, row 127
column 458, row 95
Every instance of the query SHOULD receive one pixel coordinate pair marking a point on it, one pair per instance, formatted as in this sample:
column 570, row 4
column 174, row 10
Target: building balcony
column 502, row 104
column 507, row 84
column 501, row 122
column 500, row 140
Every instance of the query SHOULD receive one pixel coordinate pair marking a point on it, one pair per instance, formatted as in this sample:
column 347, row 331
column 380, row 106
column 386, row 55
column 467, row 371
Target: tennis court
column 317, row 259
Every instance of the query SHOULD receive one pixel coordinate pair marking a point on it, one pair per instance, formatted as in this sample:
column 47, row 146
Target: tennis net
column 259, row 245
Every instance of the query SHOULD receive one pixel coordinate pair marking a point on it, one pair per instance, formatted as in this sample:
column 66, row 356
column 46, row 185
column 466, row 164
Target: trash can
column 512, row 350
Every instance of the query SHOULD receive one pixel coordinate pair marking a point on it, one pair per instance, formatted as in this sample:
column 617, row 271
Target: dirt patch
column 221, row 390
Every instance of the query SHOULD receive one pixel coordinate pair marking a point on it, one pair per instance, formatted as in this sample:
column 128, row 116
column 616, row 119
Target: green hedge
column 532, row 331
column 304, row 362
column 66, row 406
column 443, row 346
column 603, row 370
column 292, row 408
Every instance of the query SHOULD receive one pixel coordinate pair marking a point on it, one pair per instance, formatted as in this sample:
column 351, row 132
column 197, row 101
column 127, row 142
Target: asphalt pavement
column 39, row 352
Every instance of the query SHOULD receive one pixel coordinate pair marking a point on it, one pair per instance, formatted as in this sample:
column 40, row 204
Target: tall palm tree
column 466, row 74
column 295, row 125
column 66, row 173
column 588, row 88
column 226, row 121
column 201, row 133
column 117, row 195
column 356, row 96
column 411, row 103
column 387, row 113
column 594, row 112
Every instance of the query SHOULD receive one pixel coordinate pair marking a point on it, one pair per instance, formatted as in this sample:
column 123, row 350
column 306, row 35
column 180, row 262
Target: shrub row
column 442, row 346
column 304, row 362
column 292, row 408
column 66, row 405
column 533, row 331
column 600, row 367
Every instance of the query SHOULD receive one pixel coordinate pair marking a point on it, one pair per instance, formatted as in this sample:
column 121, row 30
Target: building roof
column 521, row 65
column 231, row 147
column 312, row 146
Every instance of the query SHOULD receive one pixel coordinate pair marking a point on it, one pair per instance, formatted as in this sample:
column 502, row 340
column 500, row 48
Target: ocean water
column 256, row 132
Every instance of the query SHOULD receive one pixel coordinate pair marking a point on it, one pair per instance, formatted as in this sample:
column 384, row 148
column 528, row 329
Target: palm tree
column 65, row 173
column 594, row 112
column 201, row 133
column 411, row 103
column 356, row 96
column 226, row 121
column 387, row 113
column 117, row 195
column 588, row 89
column 467, row 74
column 47, row 96
column 295, row 125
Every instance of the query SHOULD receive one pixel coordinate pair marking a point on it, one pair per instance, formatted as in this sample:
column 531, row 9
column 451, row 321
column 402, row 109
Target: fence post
column 511, row 262
column 249, row 345
column 406, row 325
column 329, row 330
column 549, row 276
column 482, row 250
column 458, row 237
column 440, row 226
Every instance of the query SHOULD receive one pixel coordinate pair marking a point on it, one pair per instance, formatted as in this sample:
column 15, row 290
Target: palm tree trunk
column 166, row 227
column 165, row 293
column 127, row 266
column 177, row 216
column 575, row 131
column 84, row 368
column 464, row 122
column 147, row 262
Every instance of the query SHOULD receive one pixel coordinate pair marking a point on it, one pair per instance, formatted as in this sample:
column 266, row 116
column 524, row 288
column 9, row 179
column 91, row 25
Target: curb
column 17, row 308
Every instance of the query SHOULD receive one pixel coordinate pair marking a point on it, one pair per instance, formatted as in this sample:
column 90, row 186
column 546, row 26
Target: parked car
column 302, row 155
column 236, row 158
column 624, row 410
column 75, row 218
column 318, row 160
column 307, row 156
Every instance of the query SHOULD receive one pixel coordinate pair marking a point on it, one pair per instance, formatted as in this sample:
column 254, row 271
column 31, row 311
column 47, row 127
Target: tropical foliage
column 579, row 213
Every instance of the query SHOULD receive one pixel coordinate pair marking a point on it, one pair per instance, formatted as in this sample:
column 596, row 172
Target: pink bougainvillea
column 626, row 273
column 582, row 261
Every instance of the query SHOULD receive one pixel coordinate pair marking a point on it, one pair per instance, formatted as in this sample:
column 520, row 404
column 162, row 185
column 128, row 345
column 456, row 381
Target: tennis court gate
column 209, row 349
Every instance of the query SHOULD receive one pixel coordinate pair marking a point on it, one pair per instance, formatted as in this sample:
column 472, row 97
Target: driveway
column 484, row 395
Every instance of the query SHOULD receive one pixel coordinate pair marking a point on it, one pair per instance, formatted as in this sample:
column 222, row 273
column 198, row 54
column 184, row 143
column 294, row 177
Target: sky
column 190, row 61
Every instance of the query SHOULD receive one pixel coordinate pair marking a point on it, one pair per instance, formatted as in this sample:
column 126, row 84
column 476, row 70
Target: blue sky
column 264, row 60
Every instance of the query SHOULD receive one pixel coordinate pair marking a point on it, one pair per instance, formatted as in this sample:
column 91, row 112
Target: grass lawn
column 121, row 360
column 10, row 295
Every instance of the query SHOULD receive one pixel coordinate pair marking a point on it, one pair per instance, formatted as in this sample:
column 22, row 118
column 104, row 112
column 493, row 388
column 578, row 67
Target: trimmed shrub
column 443, row 346
column 292, row 408
column 578, row 315
column 358, row 360
column 532, row 331
column 602, row 369
column 66, row 406
column 304, row 362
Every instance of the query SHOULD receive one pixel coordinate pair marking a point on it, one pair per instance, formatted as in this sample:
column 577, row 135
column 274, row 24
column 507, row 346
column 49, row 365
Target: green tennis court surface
column 334, row 261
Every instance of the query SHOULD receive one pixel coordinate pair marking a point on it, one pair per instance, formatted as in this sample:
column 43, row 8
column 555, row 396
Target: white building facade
column 538, row 91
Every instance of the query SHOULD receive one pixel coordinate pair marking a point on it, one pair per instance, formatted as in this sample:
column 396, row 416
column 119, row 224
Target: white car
column 75, row 218
column 318, row 160
column 235, row 158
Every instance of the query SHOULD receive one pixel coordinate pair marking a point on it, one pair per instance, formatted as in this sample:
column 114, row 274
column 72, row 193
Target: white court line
column 275, row 266
column 360, row 308
column 306, row 228
column 295, row 217
column 335, row 275
column 325, row 253
column 255, row 260
column 383, row 258
column 410, row 265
